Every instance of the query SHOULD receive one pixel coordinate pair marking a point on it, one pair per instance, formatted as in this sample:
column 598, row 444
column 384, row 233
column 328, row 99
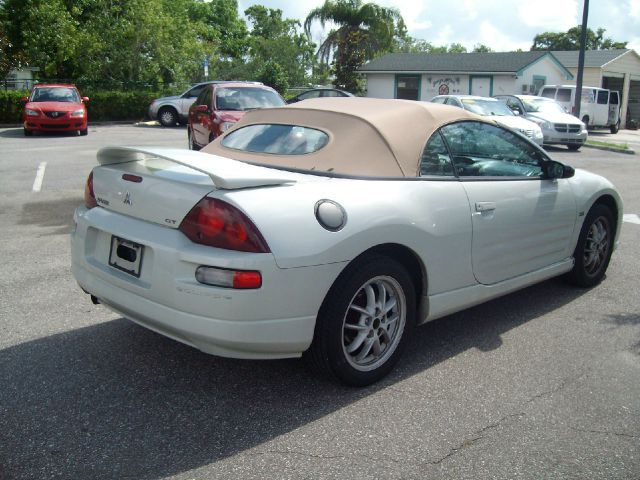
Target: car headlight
column 78, row 113
column 32, row 113
column 542, row 123
column 224, row 126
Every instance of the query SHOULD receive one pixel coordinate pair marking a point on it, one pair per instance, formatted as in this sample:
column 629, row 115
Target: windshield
column 486, row 107
column 246, row 98
column 55, row 94
column 544, row 106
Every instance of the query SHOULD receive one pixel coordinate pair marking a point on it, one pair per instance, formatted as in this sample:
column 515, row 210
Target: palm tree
column 364, row 29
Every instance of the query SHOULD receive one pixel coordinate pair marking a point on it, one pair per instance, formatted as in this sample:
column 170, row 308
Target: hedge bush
column 10, row 108
column 102, row 106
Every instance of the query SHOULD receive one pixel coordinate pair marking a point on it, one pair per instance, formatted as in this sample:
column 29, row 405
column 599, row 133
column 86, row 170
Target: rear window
column 613, row 99
column 246, row 98
column 276, row 139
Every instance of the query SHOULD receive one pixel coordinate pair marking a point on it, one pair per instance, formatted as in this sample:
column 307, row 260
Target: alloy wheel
column 374, row 323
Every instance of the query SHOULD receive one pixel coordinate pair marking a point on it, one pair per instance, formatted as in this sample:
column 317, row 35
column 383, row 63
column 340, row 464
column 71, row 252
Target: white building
column 416, row 76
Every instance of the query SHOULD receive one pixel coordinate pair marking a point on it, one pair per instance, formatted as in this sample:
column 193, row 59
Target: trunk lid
column 163, row 185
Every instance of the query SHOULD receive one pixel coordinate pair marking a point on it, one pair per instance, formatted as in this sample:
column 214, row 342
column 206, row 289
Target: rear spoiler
column 226, row 174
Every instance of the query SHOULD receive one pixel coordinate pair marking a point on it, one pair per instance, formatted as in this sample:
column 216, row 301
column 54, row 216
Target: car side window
column 603, row 97
column 194, row 92
column 484, row 150
column 453, row 102
column 438, row 100
column 205, row 98
column 311, row 94
column 435, row 158
column 514, row 104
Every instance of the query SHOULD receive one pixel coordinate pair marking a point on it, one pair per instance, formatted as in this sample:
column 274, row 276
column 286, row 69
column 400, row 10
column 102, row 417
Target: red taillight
column 217, row 224
column 225, row 278
column 247, row 280
column 89, row 196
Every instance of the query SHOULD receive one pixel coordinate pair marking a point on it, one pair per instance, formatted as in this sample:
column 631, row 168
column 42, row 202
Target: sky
column 502, row 25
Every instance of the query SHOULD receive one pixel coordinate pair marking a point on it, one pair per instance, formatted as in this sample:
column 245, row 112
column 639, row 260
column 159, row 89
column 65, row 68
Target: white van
column 599, row 108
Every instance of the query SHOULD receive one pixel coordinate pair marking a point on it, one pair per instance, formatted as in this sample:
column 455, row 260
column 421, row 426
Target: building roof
column 368, row 136
column 507, row 62
column 592, row 58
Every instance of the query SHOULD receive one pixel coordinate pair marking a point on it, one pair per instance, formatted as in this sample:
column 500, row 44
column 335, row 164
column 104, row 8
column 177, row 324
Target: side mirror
column 554, row 170
column 202, row 108
column 24, row 100
column 568, row 171
column 85, row 99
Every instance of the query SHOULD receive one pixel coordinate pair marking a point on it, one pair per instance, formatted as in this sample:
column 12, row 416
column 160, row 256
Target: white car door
column 521, row 221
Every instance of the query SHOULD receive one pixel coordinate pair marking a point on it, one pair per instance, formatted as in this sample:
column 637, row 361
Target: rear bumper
column 275, row 321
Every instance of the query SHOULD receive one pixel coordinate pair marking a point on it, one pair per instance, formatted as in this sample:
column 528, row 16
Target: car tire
column 27, row 133
column 167, row 117
column 615, row 128
column 593, row 250
column 192, row 146
column 364, row 322
column 574, row 148
column 84, row 132
column 585, row 120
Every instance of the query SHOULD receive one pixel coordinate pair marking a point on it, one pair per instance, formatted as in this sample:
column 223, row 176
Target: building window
column 538, row 83
column 408, row 87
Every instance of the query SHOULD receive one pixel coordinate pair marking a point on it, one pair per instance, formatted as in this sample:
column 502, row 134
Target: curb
column 628, row 151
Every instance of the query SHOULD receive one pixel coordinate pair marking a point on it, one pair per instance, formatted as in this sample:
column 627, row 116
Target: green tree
column 273, row 75
column 480, row 48
column 279, row 41
column 570, row 40
column 363, row 30
column 98, row 40
column 413, row 45
column 44, row 33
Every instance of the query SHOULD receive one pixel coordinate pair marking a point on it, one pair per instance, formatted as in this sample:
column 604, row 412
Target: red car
column 56, row 108
column 220, row 105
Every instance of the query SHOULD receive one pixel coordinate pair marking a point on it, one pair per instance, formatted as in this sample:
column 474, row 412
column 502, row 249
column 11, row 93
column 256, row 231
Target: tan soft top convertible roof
column 368, row 136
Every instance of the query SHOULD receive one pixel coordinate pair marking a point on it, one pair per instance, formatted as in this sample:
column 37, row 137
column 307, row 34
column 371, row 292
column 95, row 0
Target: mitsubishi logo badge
column 127, row 199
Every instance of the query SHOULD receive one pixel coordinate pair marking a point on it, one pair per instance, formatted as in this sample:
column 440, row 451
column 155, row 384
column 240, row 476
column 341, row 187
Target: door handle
column 485, row 206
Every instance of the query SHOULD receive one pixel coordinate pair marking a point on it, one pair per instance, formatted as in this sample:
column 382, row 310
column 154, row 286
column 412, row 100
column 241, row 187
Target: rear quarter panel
column 431, row 218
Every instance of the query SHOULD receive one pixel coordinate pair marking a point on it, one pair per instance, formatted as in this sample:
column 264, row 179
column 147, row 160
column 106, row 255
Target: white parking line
column 37, row 183
column 631, row 218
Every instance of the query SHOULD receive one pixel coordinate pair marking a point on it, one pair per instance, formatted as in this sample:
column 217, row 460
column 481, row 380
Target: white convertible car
column 331, row 227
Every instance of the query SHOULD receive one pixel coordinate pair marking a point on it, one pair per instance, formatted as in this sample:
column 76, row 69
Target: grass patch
column 598, row 143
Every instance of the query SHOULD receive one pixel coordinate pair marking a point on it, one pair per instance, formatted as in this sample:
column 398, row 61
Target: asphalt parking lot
column 543, row 383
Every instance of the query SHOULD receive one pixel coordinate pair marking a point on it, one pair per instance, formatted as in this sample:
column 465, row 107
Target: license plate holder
column 126, row 255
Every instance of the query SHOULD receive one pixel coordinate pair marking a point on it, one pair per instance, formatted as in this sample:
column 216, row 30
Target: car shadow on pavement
column 115, row 400
column 550, row 149
column 51, row 213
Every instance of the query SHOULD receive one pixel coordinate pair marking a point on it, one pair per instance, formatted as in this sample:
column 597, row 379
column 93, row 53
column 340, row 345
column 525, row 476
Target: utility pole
column 583, row 46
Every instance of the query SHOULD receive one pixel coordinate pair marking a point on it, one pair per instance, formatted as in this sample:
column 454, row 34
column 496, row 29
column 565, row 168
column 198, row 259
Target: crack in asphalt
column 479, row 434
column 605, row 432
